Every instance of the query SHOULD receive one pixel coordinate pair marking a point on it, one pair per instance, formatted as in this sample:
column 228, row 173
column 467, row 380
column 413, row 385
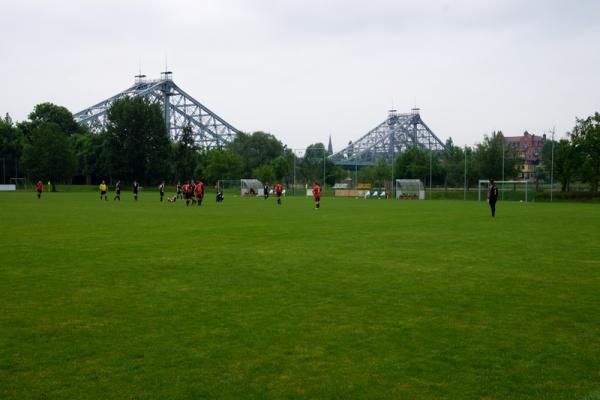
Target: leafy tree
column 11, row 148
column 540, row 176
column 281, row 168
column 256, row 149
column 291, row 160
column 382, row 173
column 186, row 156
column 49, row 156
column 453, row 158
column 315, row 152
column 546, row 153
column 335, row 173
column 48, row 112
column 489, row 156
column 222, row 164
column 265, row 173
column 366, row 175
column 566, row 163
column 586, row 139
column 472, row 168
column 311, row 165
column 139, row 145
column 414, row 163
column 92, row 156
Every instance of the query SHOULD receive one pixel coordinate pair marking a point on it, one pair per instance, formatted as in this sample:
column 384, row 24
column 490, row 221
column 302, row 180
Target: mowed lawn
column 245, row 299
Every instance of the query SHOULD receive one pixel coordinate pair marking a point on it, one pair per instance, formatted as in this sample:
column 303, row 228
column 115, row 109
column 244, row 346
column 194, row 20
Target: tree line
column 52, row 146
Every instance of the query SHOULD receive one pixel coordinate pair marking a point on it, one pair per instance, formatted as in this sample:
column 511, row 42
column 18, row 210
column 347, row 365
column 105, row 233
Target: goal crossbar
column 486, row 181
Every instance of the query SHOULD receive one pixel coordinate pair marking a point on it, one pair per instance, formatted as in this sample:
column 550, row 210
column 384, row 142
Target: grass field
column 360, row 299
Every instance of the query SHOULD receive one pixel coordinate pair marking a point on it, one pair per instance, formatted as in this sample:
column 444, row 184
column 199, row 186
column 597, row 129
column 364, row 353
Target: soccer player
column 316, row 190
column 179, row 195
column 39, row 187
column 492, row 196
column 199, row 192
column 161, row 190
column 103, row 188
column 187, row 190
column 278, row 192
column 136, row 190
column 117, row 191
column 193, row 191
column 266, row 191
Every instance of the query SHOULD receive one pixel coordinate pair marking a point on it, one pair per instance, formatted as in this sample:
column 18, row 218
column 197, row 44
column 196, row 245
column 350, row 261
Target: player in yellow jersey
column 103, row 188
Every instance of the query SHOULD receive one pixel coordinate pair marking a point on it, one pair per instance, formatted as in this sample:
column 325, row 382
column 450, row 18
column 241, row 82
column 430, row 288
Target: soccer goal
column 230, row 186
column 410, row 189
column 251, row 187
column 20, row 183
column 507, row 190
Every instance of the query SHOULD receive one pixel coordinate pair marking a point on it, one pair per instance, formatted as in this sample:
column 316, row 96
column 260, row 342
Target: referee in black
column 492, row 196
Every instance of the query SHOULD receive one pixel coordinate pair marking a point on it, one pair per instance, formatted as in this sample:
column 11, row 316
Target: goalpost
column 514, row 190
column 410, row 189
column 21, row 183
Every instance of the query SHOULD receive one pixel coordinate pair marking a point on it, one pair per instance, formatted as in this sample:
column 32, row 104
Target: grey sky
column 304, row 69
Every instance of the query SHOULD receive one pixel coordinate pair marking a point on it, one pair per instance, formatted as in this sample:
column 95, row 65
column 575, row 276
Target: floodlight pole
column 430, row 172
column 392, row 139
column 552, row 167
column 294, row 184
column 355, row 170
column 465, row 184
column 324, row 153
column 502, row 167
column 393, row 180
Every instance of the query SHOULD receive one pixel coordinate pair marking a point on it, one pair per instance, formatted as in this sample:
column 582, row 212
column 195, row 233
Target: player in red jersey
column 39, row 187
column 199, row 192
column 187, row 193
column 278, row 192
column 316, row 190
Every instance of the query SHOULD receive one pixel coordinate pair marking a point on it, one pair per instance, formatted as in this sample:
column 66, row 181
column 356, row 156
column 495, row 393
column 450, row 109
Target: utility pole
column 430, row 171
column 552, row 167
column 465, row 184
column 393, row 145
column 324, row 175
column 393, row 180
column 502, row 167
column 356, row 170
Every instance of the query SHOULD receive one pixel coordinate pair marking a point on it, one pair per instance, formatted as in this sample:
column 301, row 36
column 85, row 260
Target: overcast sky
column 305, row 69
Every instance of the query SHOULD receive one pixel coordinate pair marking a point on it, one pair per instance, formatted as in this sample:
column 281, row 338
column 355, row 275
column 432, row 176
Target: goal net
column 411, row 189
column 21, row 183
column 251, row 187
column 229, row 186
column 507, row 190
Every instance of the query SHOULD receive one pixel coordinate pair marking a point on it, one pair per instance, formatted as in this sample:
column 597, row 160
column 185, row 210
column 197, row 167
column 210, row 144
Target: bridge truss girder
column 389, row 139
column 180, row 110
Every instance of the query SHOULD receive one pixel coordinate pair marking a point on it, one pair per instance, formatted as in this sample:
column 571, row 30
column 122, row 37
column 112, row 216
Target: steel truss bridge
column 180, row 110
column 389, row 139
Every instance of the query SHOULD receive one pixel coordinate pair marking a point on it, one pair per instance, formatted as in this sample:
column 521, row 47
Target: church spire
column 329, row 147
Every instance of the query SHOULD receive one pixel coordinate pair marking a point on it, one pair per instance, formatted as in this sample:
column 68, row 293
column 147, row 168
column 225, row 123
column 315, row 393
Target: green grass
column 360, row 299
